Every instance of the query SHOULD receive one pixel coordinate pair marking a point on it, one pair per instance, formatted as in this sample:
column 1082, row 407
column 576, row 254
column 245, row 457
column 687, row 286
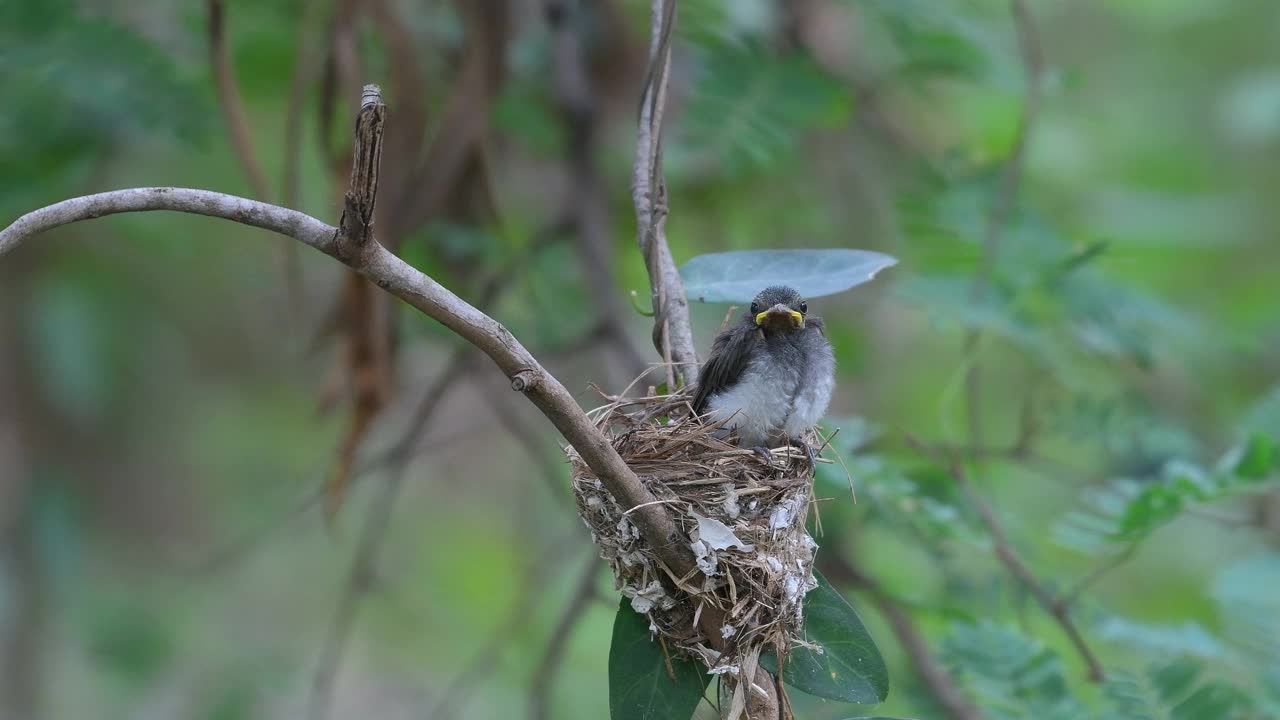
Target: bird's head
column 778, row 309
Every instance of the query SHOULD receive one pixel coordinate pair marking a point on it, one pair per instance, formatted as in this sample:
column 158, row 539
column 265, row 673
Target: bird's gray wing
column 729, row 355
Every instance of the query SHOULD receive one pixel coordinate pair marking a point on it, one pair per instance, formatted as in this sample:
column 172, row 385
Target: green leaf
column 736, row 277
column 1173, row 690
column 1012, row 676
column 850, row 667
column 1161, row 640
column 1257, row 457
column 1249, row 607
column 639, row 687
column 1128, row 511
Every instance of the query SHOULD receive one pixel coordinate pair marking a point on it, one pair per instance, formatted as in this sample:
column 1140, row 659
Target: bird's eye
column 804, row 306
column 755, row 308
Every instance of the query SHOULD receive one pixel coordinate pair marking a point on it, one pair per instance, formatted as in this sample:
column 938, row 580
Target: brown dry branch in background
column 585, row 208
column 233, row 114
column 364, row 255
column 449, row 179
column 378, row 521
column 353, row 244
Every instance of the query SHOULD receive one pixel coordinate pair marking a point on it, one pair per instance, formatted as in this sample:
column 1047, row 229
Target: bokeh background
column 175, row 390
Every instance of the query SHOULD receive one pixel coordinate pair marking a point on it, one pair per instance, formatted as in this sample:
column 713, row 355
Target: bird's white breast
column 778, row 394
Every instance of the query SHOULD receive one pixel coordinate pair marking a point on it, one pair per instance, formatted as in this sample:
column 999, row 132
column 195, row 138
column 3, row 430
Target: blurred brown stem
column 233, row 114
column 586, row 204
column 304, row 74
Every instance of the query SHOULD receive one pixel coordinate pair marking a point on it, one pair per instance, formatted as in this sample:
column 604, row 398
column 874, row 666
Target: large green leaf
column 850, row 667
column 639, row 686
column 736, row 277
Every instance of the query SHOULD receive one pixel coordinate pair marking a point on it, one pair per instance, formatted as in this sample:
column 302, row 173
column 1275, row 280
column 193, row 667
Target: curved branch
column 409, row 284
column 292, row 223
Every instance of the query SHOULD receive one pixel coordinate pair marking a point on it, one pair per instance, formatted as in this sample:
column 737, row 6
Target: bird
column 770, row 376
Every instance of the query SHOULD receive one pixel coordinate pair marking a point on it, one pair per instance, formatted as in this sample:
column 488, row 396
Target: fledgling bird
column 771, row 375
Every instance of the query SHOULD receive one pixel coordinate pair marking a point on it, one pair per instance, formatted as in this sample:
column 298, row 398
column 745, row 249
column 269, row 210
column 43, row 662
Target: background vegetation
column 1060, row 410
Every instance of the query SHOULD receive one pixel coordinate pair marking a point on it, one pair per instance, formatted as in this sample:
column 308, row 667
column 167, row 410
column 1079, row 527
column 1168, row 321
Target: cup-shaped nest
column 744, row 519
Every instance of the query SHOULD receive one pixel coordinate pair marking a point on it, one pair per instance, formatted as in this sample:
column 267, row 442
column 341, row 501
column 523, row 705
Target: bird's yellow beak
column 780, row 312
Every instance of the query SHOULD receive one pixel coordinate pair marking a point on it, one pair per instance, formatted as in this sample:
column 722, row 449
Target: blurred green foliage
column 1127, row 347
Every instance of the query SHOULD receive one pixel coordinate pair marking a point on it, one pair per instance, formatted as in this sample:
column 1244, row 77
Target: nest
column 745, row 519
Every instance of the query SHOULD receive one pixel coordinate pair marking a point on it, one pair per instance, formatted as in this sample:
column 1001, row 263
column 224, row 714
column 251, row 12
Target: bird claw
column 810, row 453
column 764, row 454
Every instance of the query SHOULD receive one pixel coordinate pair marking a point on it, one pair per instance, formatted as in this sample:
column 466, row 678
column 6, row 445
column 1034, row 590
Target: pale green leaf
column 737, row 277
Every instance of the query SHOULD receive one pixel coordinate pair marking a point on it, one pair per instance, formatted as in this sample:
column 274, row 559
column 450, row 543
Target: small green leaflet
column 850, row 668
column 639, row 687
column 737, row 277
column 1129, row 511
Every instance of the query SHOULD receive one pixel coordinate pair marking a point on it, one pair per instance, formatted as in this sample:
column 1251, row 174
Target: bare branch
column 1056, row 607
column 421, row 292
column 398, row 278
column 292, row 223
column 672, row 334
